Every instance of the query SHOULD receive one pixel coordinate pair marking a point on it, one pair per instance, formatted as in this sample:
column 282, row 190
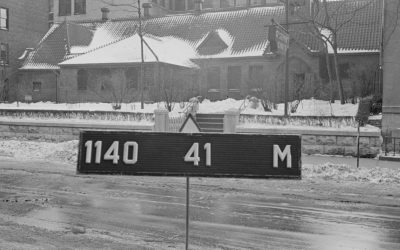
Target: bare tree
column 325, row 22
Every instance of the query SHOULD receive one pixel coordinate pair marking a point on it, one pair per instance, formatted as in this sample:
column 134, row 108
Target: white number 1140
column 193, row 154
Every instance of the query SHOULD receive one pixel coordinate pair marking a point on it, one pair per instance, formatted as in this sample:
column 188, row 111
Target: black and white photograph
column 200, row 124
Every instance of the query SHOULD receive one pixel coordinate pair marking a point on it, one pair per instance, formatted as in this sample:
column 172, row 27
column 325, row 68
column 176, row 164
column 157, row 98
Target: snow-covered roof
column 127, row 51
column 211, row 34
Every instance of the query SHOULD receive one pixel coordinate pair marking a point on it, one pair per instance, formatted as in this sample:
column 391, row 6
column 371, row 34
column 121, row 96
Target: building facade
column 81, row 10
column 22, row 25
column 229, row 50
column 391, row 68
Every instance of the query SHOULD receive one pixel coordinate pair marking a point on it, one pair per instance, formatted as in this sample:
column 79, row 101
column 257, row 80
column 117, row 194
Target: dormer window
column 215, row 42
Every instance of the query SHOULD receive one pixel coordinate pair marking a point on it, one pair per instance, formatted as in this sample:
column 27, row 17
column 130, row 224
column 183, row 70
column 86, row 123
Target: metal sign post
column 187, row 213
column 187, row 155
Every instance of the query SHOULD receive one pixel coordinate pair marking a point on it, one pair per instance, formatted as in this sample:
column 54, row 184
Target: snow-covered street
column 45, row 204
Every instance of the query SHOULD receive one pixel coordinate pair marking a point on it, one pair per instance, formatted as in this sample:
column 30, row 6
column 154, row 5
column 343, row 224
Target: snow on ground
column 310, row 107
column 66, row 152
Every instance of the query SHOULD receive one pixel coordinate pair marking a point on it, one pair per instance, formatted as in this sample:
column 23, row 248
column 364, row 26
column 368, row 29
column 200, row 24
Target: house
column 391, row 69
column 213, row 53
column 22, row 24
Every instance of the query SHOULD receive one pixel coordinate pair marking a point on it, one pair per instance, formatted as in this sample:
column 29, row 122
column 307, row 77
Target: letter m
column 282, row 155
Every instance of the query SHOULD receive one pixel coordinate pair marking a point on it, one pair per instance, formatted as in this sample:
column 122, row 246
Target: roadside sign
column 190, row 125
column 179, row 154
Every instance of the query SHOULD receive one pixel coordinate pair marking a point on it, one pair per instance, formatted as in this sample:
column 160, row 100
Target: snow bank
column 343, row 172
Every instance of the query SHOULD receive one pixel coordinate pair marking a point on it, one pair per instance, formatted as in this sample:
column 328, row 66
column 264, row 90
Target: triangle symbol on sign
column 190, row 125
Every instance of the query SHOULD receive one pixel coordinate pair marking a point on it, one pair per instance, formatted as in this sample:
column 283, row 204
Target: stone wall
column 57, row 131
column 48, row 90
column 329, row 142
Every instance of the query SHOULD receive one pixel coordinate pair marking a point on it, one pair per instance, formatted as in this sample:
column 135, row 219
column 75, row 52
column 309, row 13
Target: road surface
column 46, row 205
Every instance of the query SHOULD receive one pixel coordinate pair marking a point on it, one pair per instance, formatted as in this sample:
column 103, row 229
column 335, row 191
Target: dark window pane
column 3, row 53
column 213, row 78
column 80, row 7
column 64, row 8
column 37, row 86
column 82, row 79
column 255, row 76
column 179, row 5
column 234, row 77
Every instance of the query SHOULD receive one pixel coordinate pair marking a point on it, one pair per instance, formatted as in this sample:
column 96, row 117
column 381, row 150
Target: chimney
column 146, row 9
column 104, row 13
column 198, row 5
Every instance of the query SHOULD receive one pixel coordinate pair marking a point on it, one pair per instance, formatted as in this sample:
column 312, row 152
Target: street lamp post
column 141, row 78
column 287, row 60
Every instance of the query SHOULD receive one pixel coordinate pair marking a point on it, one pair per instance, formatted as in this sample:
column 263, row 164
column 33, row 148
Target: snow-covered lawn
column 310, row 107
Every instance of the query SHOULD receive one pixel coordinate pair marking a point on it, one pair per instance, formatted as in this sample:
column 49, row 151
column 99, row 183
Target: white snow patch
column 342, row 172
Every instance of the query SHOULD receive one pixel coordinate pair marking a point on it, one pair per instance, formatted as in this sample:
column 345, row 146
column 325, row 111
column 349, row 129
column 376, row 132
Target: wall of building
column 391, row 68
column 110, row 84
column 48, row 80
column 272, row 82
column 28, row 22
column 117, row 8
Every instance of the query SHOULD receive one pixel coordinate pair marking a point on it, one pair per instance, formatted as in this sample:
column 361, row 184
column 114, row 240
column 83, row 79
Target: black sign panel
column 178, row 154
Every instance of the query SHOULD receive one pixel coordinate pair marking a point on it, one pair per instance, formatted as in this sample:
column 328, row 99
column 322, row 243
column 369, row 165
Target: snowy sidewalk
column 351, row 161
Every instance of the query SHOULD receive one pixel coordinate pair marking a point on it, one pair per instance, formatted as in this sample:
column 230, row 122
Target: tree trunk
column 329, row 69
column 337, row 72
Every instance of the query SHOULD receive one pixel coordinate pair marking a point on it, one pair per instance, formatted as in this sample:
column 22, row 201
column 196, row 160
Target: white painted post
column 161, row 120
column 231, row 120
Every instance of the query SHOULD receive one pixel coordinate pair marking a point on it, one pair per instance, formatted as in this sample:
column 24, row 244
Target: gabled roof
column 57, row 45
column 242, row 30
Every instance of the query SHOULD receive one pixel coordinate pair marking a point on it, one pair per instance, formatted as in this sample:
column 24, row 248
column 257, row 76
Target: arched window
column 82, row 79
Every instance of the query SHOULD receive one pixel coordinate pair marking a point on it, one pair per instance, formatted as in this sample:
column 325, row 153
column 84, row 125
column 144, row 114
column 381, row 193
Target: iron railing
column 391, row 145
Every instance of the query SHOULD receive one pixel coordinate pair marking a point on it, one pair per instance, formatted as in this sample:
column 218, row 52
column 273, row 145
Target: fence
column 391, row 145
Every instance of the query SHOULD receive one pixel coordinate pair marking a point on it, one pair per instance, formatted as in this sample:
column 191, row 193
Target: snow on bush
column 343, row 172
column 309, row 107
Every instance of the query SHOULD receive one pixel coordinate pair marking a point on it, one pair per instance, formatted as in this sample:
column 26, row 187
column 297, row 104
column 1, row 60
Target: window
column 179, row 5
column 234, row 77
column 162, row 3
column 3, row 53
column 255, row 76
column 37, row 86
column 132, row 78
column 3, row 19
column 80, row 7
column 190, row 4
column 82, row 79
column 213, row 78
column 64, row 8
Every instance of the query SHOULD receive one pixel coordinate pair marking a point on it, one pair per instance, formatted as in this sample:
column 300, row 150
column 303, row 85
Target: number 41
column 193, row 154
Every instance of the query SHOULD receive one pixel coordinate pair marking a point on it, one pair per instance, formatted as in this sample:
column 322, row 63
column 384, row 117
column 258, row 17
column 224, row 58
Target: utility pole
column 287, row 60
column 141, row 78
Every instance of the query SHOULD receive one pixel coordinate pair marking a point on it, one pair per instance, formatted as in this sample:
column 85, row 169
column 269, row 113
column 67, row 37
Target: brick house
column 227, row 54
column 22, row 24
